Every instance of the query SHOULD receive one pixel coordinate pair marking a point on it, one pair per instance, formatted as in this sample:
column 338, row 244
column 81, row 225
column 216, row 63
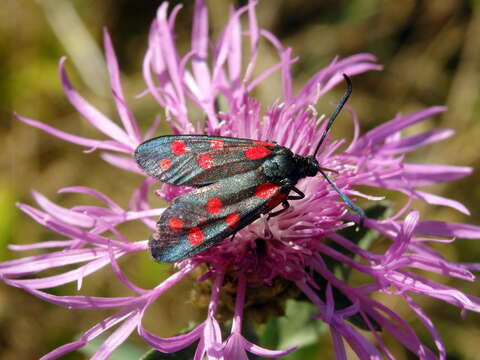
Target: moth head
column 311, row 166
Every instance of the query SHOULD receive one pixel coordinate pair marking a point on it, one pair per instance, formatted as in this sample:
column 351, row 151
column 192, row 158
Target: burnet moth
column 237, row 181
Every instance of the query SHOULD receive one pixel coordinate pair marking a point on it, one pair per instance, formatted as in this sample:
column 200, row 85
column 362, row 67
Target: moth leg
column 285, row 205
column 300, row 195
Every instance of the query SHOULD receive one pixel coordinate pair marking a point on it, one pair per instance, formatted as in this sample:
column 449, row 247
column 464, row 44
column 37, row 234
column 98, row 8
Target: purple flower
column 302, row 247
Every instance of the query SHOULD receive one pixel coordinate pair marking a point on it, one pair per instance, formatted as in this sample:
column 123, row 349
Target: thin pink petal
column 95, row 144
column 260, row 351
column 446, row 229
column 122, row 162
column 126, row 115
column 92, row 192
column 95, row 117
column 63, row 214
column 200, row 46
column 42, row 245
column 414, row 142
column 380, row 133
column 35, row 264
column 117, row 338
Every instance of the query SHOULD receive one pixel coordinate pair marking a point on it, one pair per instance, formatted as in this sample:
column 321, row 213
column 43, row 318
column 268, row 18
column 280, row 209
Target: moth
column 236, row 181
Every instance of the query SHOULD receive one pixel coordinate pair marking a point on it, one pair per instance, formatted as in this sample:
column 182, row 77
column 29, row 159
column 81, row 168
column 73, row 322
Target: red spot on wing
column 266, row 190
column 256, row 152
column 205, row 161
column 214, row 205
column 195, row 236
column 275, row 200
column 263, row 143
column 165, row 164
column 232, row 220
column 178, row 147
column 216, row 144
column 175, row 224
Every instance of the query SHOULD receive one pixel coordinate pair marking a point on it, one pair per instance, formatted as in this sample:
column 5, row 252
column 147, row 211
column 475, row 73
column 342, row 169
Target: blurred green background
column 431, row 54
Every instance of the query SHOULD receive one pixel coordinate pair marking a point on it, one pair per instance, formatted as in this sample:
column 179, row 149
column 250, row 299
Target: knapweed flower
column 297, row 253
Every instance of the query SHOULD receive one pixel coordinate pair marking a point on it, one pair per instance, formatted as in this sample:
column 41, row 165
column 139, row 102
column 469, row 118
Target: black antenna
column 344, row 196
column 340, row 105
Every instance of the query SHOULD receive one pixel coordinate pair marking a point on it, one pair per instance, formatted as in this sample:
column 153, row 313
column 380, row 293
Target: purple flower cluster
column 294, row 245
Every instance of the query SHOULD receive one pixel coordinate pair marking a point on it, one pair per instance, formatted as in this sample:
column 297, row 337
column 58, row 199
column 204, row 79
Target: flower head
column 298, row 252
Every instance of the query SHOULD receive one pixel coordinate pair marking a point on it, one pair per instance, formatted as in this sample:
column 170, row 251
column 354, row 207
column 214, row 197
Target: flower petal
column 447, row 229
column 260, row 351
column 117, row 338
column 66, row 215
column 126, row 115
column 95, row 117
column 94, row 144
column 380, row 133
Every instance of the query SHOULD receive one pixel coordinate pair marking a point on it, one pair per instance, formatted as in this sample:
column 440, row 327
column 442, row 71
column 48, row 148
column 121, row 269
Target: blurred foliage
column 297, row 328
column 431, row 54
column 7, row 219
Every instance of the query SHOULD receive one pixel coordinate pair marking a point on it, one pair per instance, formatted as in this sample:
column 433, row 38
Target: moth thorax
column 279, row 166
